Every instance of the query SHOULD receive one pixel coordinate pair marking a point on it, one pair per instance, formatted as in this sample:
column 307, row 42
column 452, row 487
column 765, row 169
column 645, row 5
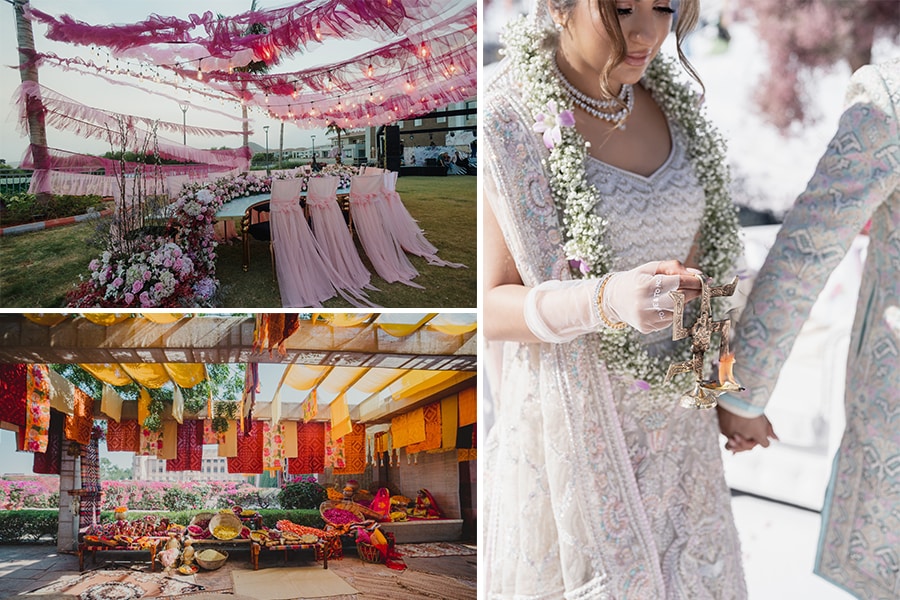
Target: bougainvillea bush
column 39, row 493
column 174, row 268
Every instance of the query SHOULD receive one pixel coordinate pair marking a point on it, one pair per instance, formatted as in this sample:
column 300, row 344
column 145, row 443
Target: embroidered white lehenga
column 594, row 488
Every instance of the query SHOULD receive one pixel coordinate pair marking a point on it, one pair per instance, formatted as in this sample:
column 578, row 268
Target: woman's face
column 586, row 46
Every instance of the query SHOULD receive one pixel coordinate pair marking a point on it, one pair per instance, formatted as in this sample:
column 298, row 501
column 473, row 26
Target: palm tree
column 253, row 67
column 337, row 129
column 34, row 107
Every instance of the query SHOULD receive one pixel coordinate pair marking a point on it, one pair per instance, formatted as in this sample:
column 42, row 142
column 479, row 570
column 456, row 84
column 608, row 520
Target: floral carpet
column 121, row 584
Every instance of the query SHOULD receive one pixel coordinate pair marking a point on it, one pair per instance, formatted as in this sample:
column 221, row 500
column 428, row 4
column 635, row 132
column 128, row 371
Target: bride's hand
column 640, row 297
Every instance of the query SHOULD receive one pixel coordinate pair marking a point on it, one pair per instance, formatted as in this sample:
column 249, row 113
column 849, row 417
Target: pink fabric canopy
column 288, row 29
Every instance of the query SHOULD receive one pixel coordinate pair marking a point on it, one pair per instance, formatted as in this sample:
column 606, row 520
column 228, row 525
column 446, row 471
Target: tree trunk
column 34, row 107
column 281, row 145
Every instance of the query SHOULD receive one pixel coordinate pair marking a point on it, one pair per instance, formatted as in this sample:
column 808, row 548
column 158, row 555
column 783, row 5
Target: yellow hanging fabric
column 62, row 393
column 111, row 403
column 468, row 407
column 178, row 405
column 304, row 377
column 289, row 435
column 163, row 318
column 228, row 441
column 340, row 418
column 449, row 421
column 454, row 324
column 46, row 319
column 151, row 375
column 169, row 449
column 187, row 375
column 143, row 406
column 390, row 325
column 344, row 319
column 110, row 373
column 105, row 319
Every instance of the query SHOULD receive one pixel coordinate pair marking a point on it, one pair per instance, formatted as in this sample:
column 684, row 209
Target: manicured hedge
column 28, row 526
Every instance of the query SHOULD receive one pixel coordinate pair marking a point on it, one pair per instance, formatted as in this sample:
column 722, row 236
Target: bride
column 606, row 189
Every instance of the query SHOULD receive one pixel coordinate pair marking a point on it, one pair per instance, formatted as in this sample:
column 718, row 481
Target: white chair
column 405, row 228
column 367, row 206
column 303, row 275
column 332, row 234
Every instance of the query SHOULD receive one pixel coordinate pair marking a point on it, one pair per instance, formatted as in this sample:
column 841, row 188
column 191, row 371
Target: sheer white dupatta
column 368, row 206
column 406, row 229
column 332, row 234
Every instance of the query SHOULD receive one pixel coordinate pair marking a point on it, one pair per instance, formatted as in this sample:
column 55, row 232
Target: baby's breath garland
column 528, row 47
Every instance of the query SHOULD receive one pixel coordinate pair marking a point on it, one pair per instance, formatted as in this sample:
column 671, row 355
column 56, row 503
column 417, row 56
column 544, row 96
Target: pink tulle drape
column 305, row 275
column 332, row 234
column 288, row 29
column 404, row 227
column 368, row 208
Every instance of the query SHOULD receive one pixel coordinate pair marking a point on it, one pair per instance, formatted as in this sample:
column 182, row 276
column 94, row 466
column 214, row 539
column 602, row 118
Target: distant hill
column 255, row 148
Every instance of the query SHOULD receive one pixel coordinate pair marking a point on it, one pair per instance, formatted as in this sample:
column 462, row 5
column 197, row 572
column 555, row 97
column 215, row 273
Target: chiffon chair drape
column 332, row 234
column 367, row 208
column 406, row 229
column 305, row 275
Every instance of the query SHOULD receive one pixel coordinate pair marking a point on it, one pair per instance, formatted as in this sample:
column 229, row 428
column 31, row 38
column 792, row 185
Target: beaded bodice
column 655, row 217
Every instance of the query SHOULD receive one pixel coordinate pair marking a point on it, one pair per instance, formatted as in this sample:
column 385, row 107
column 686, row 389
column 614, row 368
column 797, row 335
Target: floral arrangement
column 584, row 241
column 173, row 269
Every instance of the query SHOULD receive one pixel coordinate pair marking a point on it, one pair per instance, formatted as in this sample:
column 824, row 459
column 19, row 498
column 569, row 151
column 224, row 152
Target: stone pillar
column 69, row 479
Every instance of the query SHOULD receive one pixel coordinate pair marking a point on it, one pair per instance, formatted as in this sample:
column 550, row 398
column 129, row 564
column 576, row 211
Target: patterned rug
column 434, row 549
column 111, row 584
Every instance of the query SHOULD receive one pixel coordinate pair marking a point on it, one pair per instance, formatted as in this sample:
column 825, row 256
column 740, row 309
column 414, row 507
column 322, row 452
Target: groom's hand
column 744, row 434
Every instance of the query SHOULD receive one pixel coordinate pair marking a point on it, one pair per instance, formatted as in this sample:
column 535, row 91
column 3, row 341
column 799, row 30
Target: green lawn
column 37, row 269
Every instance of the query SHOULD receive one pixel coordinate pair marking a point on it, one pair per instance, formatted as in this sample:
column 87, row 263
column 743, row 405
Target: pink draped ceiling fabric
column 428, row 59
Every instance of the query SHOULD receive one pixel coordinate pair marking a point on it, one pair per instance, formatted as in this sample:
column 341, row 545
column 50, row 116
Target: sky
column 101, row 94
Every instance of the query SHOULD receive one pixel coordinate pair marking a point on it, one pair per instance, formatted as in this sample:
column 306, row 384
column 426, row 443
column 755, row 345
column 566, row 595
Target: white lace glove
column 559, row 311
column 641, row 298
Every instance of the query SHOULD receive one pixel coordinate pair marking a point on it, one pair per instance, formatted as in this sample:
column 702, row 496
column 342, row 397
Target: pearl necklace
column 595, row 106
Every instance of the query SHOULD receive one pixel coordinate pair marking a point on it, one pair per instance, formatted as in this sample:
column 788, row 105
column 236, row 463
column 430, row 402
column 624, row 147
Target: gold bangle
column 606, row 320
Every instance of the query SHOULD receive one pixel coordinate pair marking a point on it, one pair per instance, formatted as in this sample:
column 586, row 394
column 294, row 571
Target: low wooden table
column 212, row 542
column 94, row 547
column 318, row 547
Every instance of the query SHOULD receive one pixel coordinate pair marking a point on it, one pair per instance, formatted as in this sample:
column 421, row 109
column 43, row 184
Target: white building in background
column 214, row 468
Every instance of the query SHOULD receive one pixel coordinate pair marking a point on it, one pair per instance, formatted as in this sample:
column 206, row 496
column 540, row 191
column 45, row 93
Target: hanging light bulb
column 423, row 50
column 290, row 112
column 370, row 71
column 267, row 97
column 409, row 86
column 200, row 69
column 328, row 83
column 230, row 68
column 318, row 32
column 294, row 94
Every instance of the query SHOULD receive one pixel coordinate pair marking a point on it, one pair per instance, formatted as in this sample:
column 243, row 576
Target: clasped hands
column 744, row 433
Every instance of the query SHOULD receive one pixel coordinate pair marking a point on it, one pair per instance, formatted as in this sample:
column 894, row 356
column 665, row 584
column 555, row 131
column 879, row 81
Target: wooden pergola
column 407, row 343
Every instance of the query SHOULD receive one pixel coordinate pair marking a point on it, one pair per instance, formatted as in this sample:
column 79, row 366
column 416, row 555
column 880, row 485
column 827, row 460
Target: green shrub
column 22, row 208
column 303, row 494
column 180, row 498
column 28, row 525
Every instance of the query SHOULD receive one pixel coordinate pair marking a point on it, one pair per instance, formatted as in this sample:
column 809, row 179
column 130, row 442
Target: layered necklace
column 584, row 232
column 596, row 107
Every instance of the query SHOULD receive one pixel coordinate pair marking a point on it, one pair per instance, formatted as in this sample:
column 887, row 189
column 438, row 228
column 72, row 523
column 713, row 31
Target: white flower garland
column 575, row 198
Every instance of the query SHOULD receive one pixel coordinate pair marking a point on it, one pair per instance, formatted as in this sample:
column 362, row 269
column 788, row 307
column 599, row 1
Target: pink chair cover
column 406, row 229
column 367, row 207
column 332, row 234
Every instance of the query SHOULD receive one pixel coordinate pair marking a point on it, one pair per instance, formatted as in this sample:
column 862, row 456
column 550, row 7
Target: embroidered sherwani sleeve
column 857, row 173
